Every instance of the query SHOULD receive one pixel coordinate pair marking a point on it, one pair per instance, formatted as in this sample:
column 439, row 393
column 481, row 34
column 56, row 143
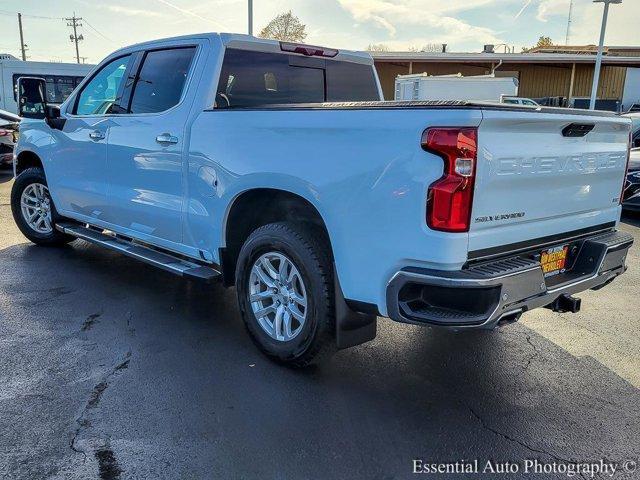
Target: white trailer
column 61, row 79
column 455, row 87
column 631, row 94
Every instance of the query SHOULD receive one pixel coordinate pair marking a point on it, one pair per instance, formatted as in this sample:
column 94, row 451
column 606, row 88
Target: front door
column 144, row 153
column 78, row 160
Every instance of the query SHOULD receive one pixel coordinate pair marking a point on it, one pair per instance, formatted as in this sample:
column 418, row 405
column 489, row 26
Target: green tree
column 285, row 27
column 542, row 43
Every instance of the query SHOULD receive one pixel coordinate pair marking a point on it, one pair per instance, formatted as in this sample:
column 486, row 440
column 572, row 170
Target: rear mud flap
column 352, row 328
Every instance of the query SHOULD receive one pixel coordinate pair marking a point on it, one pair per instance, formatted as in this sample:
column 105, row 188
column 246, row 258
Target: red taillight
column 450, row 198
column 308, row 50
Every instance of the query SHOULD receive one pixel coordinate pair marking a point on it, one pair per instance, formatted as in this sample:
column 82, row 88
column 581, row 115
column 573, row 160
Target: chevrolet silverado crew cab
column 276, row 168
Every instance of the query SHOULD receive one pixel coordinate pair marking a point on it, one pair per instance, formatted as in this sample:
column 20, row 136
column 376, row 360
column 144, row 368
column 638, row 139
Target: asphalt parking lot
column 111, row 369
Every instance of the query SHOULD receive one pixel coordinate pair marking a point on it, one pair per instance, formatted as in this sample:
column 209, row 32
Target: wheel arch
column 255, row 207
column 27, row 159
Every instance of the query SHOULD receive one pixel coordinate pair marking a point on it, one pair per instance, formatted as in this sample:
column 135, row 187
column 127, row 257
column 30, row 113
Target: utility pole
column 23, row 47
column 596, row 73
column 74, row 22
column 250, row 17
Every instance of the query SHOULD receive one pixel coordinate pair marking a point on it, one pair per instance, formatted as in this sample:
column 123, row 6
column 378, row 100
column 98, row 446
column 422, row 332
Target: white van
column 61, row 79
column 454, row 87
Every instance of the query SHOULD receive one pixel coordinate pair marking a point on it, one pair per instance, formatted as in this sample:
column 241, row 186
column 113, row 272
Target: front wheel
column 284, row 280
column 33, row 210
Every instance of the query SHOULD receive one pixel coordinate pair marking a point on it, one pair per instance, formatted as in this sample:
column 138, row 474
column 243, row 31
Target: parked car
column 635, row 128
column 276, row 167
column 631, row 196
column 8, row 135
column 518, row 101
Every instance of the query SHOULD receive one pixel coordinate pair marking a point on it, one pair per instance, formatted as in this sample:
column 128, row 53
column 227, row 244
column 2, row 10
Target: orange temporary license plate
column 554, row 260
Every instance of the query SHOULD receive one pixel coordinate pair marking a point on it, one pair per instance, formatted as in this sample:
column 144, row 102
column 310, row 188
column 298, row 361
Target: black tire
column 52, row 238
column 309, row 252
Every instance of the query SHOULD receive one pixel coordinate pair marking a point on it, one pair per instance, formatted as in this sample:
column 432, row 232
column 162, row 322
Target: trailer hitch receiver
column 565, row 303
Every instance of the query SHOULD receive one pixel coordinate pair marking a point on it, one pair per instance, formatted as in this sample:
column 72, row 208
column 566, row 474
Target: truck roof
column 249, row 42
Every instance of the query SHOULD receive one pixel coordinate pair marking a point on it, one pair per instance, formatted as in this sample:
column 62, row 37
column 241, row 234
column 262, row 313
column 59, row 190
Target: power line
column 26, row 15
column 98, row 32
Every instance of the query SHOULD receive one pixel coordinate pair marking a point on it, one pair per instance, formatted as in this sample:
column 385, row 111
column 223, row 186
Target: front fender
column 35, row 137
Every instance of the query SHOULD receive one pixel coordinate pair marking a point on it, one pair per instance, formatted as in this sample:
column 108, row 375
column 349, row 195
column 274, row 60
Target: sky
column 465, row 25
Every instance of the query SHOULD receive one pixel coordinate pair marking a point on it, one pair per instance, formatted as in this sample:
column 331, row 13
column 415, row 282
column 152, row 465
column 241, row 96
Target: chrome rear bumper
column 486, row 293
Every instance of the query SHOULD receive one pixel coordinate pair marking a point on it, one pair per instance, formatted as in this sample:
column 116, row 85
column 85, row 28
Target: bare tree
column 377, row 47
column 432, row 48
column 429, row 47
column 286, row 27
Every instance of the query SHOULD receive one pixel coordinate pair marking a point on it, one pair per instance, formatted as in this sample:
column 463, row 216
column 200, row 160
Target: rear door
column 544, row 174
column 144, row 154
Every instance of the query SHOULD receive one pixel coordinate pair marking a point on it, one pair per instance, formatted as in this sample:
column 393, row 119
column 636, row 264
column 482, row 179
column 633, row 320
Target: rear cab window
column 161, row 80
column 251, row 79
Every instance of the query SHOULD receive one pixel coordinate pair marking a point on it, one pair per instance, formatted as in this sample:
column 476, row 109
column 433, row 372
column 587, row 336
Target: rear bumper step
column 482, row 295
column 164, row 260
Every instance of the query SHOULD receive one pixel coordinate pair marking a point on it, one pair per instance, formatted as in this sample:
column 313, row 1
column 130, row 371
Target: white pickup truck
column 276, row 168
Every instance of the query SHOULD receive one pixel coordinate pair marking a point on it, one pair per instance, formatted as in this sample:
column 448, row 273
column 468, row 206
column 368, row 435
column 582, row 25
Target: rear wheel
column 33, row 210
column 284, row 282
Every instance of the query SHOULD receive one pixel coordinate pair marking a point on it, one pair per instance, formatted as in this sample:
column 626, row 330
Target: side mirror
column 32, row 101
column 636, row 142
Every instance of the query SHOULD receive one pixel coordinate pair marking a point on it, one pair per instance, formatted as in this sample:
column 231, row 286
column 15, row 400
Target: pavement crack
column 536, row 352
column 82, row 422
column 579, row 325
column 519, row 442
column 90, row 321
column 129, row 326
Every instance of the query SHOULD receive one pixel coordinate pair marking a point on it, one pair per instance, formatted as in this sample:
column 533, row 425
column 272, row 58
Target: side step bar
column 165, row 261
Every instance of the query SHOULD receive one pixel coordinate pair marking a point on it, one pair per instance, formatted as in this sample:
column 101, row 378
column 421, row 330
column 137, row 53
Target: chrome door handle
column 96, row 135
column 166, row 138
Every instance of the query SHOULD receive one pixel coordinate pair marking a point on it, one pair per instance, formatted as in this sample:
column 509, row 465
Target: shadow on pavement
column 6, row 176
column 632, row 218
column 160, row 373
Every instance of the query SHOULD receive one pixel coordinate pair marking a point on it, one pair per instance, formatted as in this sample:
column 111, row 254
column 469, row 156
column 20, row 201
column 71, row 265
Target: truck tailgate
column 534, row 181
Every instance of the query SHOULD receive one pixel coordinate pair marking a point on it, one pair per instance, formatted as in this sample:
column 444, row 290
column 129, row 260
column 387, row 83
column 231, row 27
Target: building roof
column 588, row 49
column 489, row 58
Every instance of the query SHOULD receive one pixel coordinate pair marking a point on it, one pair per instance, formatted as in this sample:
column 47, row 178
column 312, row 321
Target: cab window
column 161, row 80
column 252, row 79
column 100, row 96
